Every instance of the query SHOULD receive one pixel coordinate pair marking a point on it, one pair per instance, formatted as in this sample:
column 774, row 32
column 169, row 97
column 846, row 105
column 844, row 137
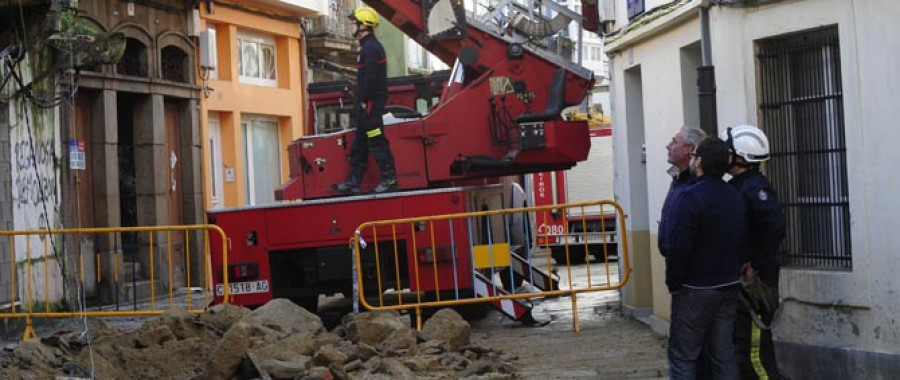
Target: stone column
column 151, row 181
column 104, row 163
column 192, row 186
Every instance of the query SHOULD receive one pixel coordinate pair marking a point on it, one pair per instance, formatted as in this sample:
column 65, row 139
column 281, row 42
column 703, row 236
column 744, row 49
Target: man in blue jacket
column 370, row 99
column 679, row 155
column 708, row 246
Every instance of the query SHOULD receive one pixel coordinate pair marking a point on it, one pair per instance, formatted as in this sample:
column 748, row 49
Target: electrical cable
column 42, row 103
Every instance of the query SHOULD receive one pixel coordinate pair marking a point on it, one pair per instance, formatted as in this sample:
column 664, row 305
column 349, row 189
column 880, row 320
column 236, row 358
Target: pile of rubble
column 279, row 340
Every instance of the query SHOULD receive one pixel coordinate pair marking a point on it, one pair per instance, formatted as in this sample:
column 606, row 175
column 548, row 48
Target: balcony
column 330, row 42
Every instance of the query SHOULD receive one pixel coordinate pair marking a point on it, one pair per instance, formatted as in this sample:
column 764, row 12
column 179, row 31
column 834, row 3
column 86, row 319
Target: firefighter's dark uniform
column 766, row 225
column 370, row 99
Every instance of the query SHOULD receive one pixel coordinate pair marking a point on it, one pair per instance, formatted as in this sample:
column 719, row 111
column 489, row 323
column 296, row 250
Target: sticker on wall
column 76, row 155
column 173, row 159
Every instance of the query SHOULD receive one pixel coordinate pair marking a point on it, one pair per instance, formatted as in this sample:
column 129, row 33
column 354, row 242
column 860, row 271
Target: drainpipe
column 706, row 76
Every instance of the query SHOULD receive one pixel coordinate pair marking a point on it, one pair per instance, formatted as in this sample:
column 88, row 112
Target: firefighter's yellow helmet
column 365, row 16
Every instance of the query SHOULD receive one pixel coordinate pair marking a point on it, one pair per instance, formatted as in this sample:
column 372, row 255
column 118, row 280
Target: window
column 801, row 109
column 134, row 61
column 262, row 159
column 213, row 57
column 256, row 63
column 215, row 162
column 175, row 64
column 415, row 55
column 634, row 8
column 593, row 53
column 596, row 53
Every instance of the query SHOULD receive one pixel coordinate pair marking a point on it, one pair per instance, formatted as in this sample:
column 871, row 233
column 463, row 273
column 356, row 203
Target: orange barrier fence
column 160, row 260
column 497, row 256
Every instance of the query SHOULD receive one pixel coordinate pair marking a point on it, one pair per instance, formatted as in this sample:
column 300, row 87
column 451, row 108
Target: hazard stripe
column 373, row 132
column 755, row 335
column 508, row 307
column 515, row 309
column 542, row 280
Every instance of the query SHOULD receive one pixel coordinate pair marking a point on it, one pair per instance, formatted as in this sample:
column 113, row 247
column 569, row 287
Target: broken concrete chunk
column 36, row 353
column 221, row 317
column 319, row 373
column 448, row 326
column 400, row 339
column 329, row 355
column 396, row 369
column 153, row 336
column 374, row 327
column 280, row 369
column 284, row 316
column 354, row 365
column 229, row 352
column 479, row 367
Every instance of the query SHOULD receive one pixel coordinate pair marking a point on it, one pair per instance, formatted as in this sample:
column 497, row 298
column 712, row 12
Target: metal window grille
column 802, row 112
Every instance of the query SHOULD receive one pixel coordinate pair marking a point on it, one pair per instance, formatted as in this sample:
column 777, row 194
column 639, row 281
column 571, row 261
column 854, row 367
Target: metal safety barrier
column 499, row 256
column 168, row 249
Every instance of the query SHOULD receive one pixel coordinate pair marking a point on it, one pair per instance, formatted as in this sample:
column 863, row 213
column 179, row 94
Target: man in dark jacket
column 369, row 100
column 755, row 350
column 708, row 246
column 679, row 154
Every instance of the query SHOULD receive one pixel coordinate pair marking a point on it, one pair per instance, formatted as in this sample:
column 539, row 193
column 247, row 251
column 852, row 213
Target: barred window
column 801, row 110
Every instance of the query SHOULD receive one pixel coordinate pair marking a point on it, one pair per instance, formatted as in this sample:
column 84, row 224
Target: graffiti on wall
column 36, row 189
column 34, row 151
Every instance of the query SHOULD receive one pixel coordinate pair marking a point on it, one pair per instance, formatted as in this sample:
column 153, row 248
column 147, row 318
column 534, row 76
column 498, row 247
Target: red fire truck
column 498, row 115
column 590, row 180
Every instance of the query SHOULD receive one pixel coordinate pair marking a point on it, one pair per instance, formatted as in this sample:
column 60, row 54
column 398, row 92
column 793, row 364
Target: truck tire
column 576, row 255
column 310, row 303
column 612, row 252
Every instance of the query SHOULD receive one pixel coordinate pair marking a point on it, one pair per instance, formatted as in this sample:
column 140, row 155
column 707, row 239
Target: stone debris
column 279, row 340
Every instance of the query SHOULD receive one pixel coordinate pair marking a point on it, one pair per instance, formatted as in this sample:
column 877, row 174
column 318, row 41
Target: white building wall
column 850, row 315
column 658, row 60
column 34, row 148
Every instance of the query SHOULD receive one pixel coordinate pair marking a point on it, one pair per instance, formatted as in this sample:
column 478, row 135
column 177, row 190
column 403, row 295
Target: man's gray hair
column 692, row 135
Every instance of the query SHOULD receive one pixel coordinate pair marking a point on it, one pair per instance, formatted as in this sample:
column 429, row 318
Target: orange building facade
column 252, row 74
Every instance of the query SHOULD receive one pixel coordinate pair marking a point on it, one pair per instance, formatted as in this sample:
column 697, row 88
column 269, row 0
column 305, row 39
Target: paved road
column 608, row 345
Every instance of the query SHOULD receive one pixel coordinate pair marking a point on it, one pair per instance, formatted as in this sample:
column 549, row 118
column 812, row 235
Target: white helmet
column 748, row 142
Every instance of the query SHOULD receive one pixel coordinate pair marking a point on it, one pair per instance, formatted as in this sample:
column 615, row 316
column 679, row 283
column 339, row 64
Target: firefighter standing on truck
column 369, row 103
column 766, row 227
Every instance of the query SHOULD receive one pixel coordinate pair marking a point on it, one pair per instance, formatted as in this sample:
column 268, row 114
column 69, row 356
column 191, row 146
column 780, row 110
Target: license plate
column 592, row 238
column 249, row 287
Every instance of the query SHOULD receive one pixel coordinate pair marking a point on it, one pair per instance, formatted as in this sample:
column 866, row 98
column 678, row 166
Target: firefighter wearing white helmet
column 759, row 298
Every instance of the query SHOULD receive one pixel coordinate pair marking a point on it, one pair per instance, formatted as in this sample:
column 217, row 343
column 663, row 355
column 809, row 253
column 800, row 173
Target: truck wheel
column 612, row 252
column 576, row 255
column 310, row 303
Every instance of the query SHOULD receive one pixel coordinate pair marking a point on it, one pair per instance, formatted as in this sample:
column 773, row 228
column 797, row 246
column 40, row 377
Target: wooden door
column 174, row 188
column 83, row 179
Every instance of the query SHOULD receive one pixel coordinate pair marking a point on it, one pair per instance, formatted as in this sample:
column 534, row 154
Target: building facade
column 253, row 103
column 817, row 77
column 133, row 122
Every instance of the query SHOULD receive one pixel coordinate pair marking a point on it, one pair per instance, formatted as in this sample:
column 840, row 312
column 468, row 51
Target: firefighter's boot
column 386, row 186
column 351, row 187
column 388, row 176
